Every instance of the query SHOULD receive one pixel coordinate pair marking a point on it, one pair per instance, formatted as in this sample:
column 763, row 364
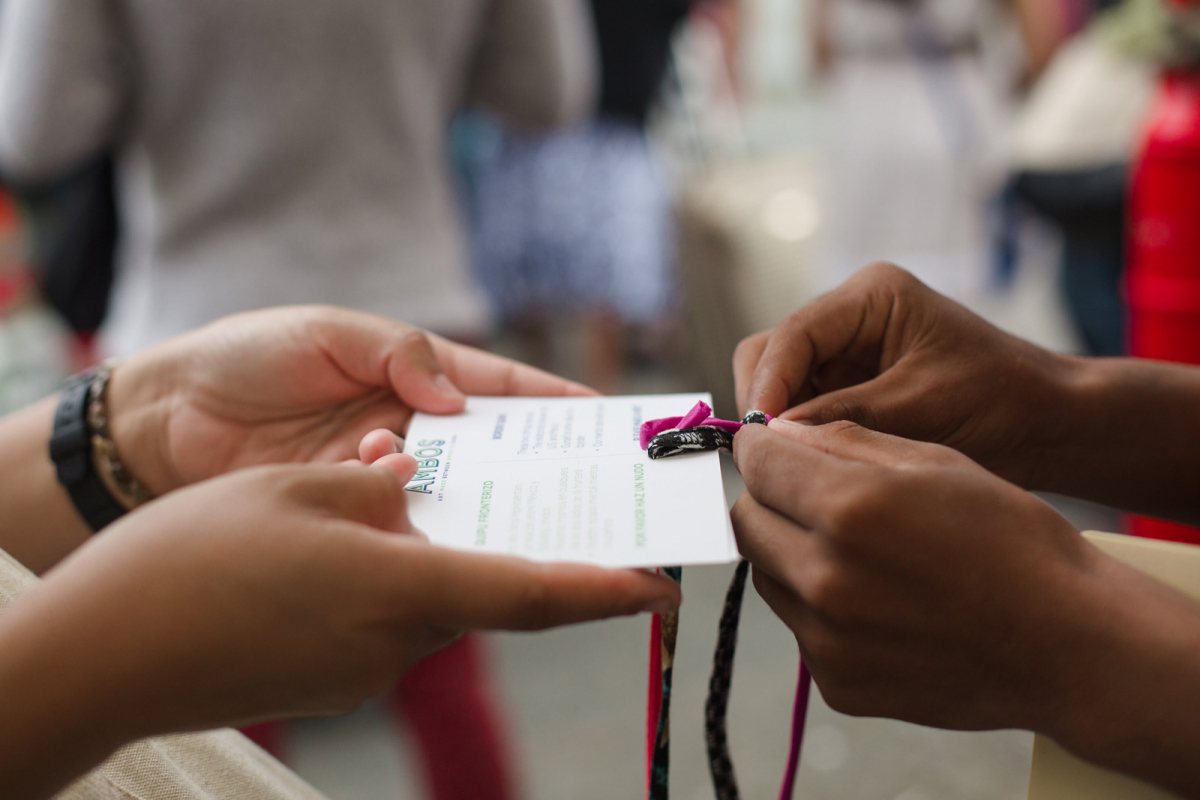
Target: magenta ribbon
column 701, row 414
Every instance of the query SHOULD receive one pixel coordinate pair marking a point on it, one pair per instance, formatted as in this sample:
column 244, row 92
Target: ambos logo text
column 428, row 458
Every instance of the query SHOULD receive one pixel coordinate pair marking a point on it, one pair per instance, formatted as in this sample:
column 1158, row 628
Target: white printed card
column 565, row 479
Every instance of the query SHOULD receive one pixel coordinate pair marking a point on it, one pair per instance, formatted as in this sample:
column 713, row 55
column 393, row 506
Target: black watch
column 71, row 452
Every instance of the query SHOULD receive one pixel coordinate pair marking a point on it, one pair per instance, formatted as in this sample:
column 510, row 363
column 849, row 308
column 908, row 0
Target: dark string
column 719, row 762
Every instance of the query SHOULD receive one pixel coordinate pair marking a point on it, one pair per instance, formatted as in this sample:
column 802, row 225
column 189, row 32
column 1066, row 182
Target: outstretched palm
column 298, row 385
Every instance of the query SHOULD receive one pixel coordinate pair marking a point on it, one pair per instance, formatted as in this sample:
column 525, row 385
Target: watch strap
column 71, row 452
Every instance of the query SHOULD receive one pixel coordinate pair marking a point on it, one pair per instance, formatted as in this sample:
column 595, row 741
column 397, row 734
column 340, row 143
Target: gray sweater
column 281, row 151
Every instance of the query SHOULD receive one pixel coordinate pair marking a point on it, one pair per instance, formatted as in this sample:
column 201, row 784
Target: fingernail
column 663, row 605
column 397, row 443
column 446, row 387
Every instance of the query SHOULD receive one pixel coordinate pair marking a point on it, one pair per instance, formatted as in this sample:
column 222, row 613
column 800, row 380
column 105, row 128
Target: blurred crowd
column 518, row 173
column 531, row 175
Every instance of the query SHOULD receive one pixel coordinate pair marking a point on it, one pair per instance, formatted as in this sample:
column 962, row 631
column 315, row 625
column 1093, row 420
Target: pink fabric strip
column 799, row 716
column 701, row 414
column 654, row 695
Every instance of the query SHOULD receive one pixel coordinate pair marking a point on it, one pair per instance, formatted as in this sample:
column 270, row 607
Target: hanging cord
column 715, row 734
column 698, row 431
column 664, row 629
column 720, row 763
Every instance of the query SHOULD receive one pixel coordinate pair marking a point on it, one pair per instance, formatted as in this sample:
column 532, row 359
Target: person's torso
column 284, row 151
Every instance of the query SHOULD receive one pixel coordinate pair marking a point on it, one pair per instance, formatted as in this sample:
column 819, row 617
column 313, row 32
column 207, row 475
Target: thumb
column 877, row 404
column 417, row 377
column 473, row 591
column 369, row 495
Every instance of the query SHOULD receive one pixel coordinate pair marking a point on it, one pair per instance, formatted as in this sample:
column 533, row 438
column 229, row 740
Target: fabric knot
column 698, row 431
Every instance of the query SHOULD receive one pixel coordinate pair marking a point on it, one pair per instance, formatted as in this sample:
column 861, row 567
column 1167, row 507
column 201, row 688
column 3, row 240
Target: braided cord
column 715, row 709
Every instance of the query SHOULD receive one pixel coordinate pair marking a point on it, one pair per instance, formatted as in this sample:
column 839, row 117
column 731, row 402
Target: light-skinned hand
column 271, row 592
column 288, row 385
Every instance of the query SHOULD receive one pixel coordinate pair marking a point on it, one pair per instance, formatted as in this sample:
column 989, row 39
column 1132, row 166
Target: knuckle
column 823, row 647
column 844, row 409
column 880, row 272
column 754, row 457
column 535, row 606
column 287, row 484
column 843, row 427
column 827, row 591
column 414, row 340
column 889, row 274
column 844, row 511
column 945, row 456
column 384, row 485
column 776, row 594
column 858, row 506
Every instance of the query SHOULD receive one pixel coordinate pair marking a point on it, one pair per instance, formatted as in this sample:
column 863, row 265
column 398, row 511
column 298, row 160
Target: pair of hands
column 904, row 567
column 888, row 522
column 287, row 589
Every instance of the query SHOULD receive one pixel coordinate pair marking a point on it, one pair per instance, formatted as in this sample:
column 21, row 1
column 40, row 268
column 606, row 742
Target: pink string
column 701, row 414
column 654, row 694
column 799, row 716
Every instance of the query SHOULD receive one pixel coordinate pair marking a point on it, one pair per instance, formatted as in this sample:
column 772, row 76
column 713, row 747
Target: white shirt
column 281, row 151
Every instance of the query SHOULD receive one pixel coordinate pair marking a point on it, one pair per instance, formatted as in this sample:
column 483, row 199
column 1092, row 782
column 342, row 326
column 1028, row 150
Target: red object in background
column 15, row 281
column 455, row 720
column 1164, row 264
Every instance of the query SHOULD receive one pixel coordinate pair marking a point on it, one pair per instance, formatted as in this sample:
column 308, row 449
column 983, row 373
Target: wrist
column 1123, row 674
column 1041, row 419
column 59, row 720
column 139, row 410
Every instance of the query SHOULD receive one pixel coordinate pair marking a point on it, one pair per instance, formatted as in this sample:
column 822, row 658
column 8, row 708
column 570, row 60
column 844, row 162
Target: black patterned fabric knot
column 756, row 418
column 701, row 439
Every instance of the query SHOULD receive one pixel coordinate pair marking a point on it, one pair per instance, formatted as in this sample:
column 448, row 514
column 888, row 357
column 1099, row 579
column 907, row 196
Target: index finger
column 480, row 373
column 851, row 320
column 468, row 591
column 745, row 361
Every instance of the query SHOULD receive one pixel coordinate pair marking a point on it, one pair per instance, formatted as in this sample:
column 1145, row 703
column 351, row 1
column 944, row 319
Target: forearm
column 1128, row 435
column 1128, row 700
column 40, row 525
column 56, row 722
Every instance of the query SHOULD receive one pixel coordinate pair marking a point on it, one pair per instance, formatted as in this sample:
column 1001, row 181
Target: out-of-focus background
column 615, row 190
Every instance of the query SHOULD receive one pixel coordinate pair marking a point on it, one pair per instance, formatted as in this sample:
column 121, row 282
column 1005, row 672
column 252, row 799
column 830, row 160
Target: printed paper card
column 564, row 479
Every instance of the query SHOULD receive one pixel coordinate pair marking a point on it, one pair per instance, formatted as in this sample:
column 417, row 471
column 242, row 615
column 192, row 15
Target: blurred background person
column 578, row 224
column 271, row 152
column 1074, row 143
column 919, row 120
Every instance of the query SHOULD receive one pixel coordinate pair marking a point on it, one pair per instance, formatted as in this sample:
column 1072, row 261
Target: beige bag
column 1086, row 111
column 1058, row 775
